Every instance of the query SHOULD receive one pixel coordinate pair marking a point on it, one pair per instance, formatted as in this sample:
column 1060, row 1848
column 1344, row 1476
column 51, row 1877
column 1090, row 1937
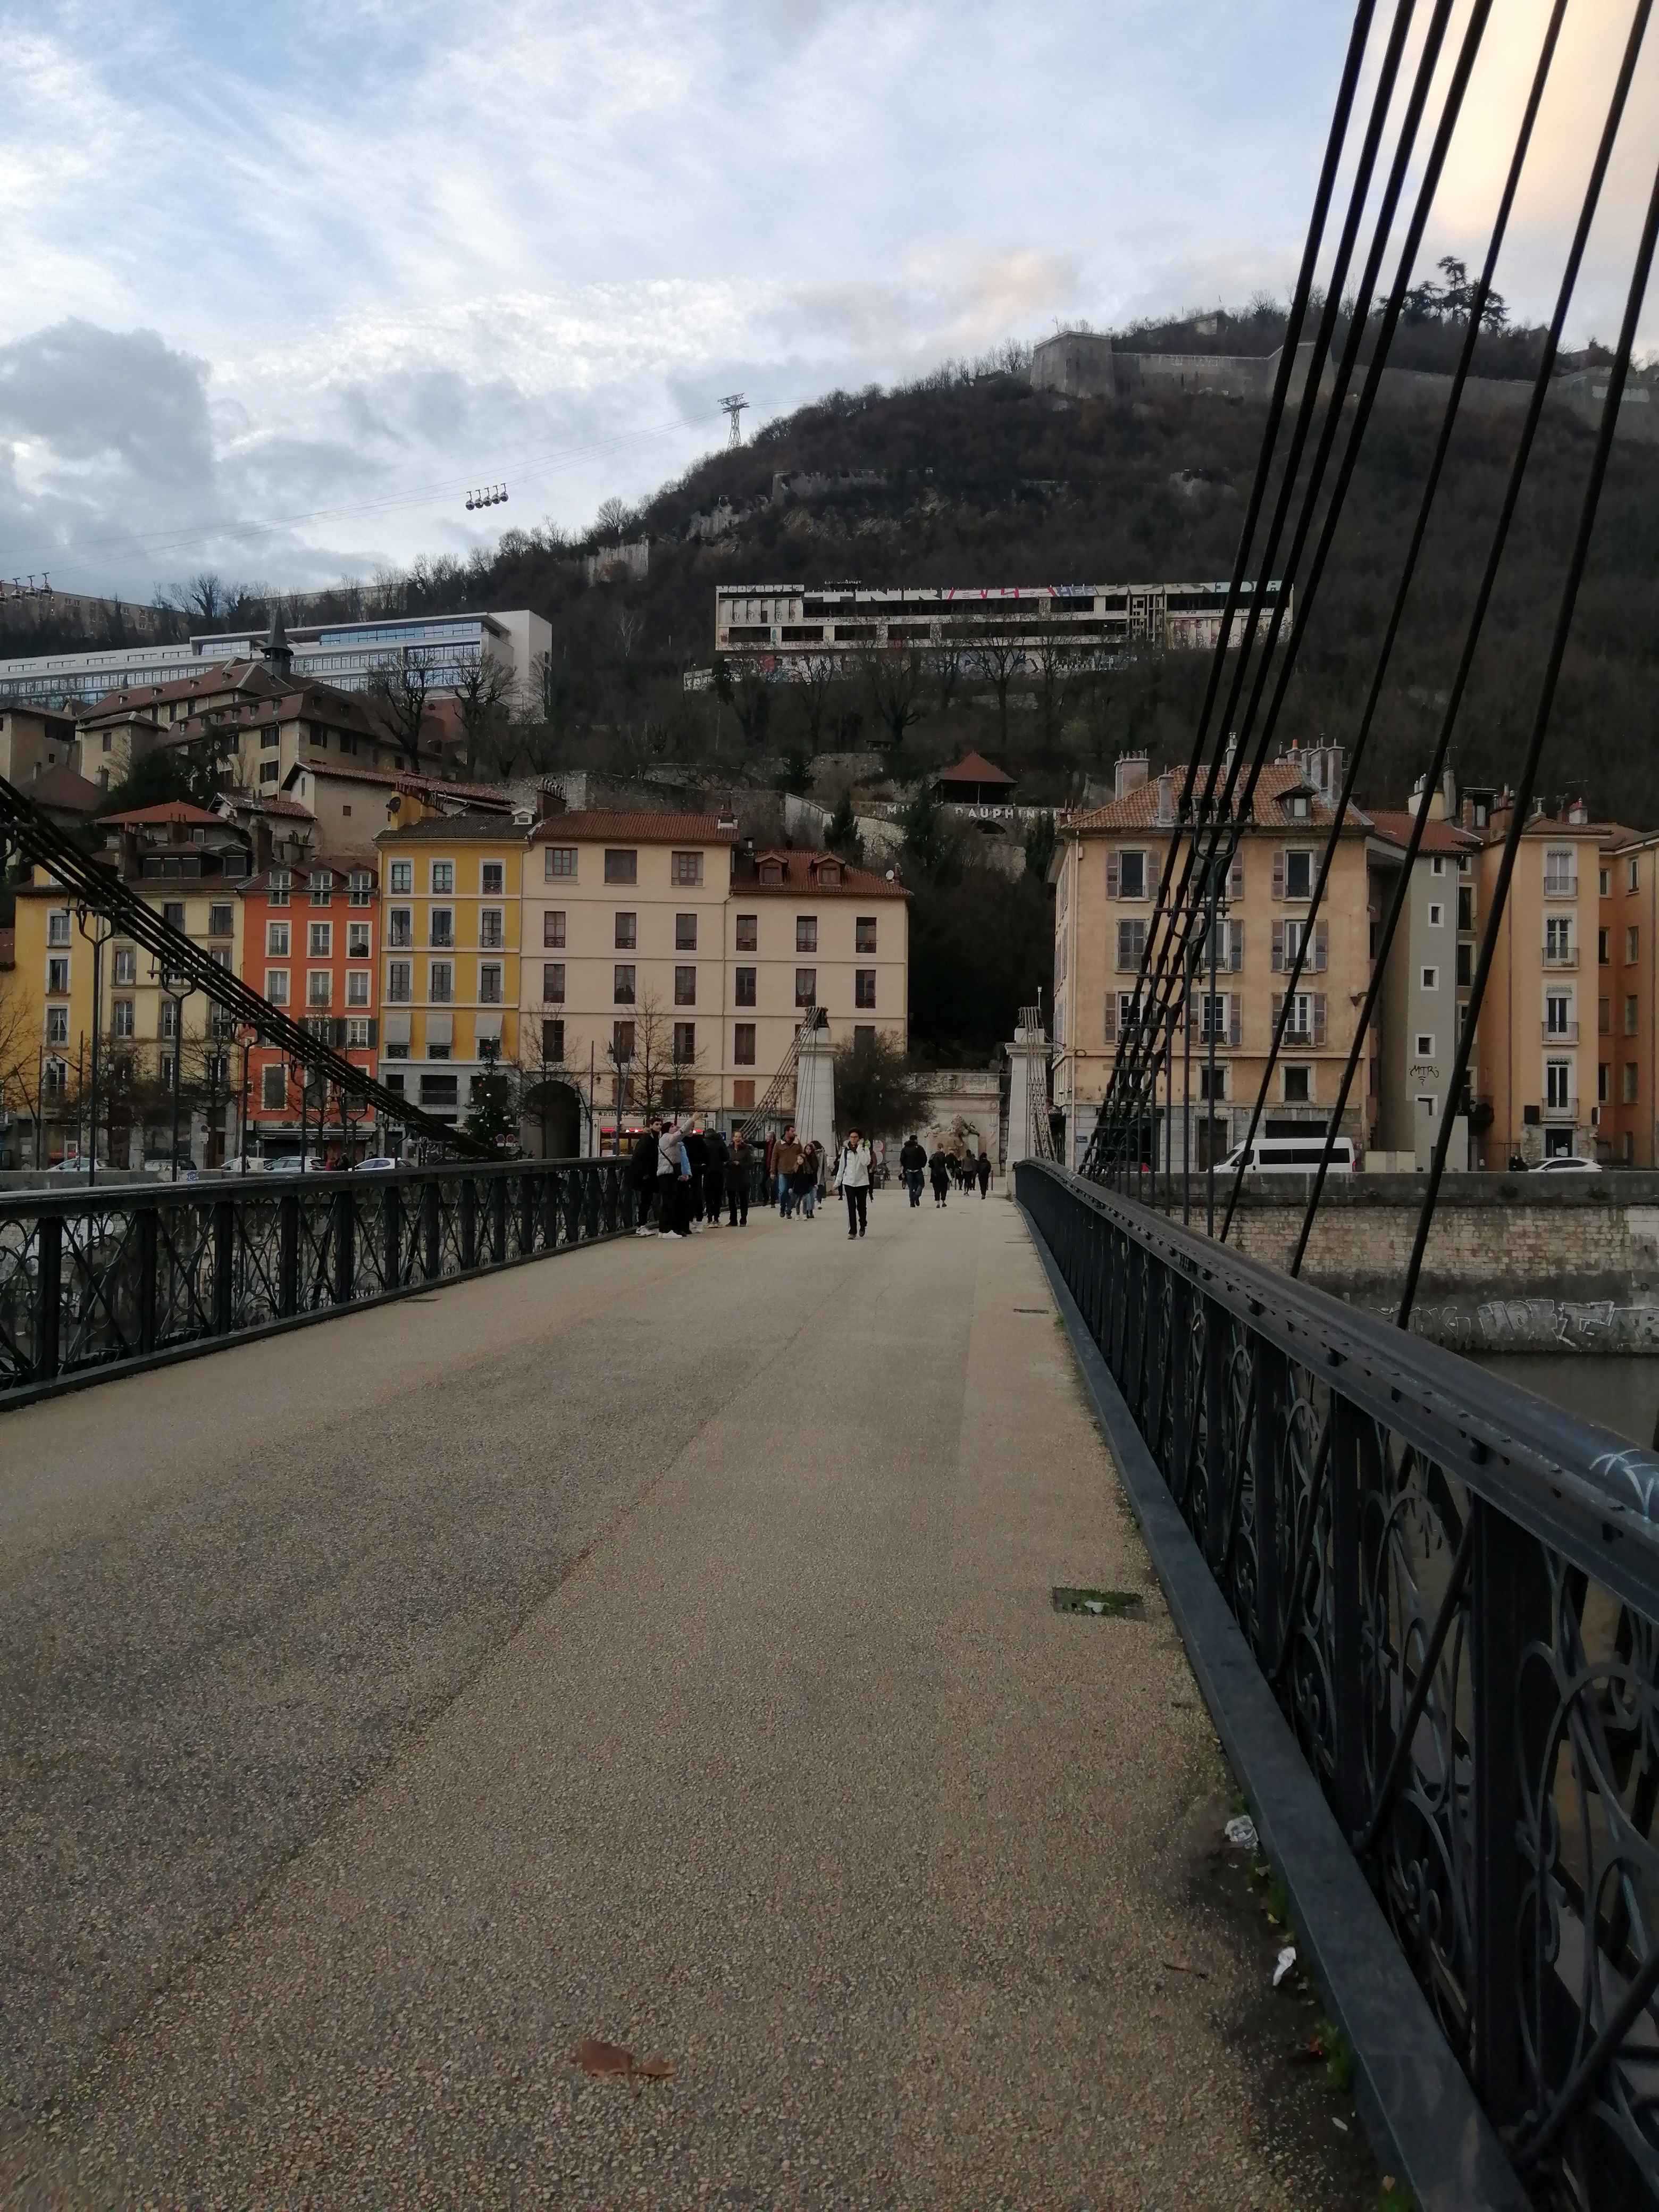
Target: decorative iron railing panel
column 1454, row 1590
column 107, row 1280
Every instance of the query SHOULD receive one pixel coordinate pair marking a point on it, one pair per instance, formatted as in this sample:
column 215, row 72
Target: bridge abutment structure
column 656, row 1646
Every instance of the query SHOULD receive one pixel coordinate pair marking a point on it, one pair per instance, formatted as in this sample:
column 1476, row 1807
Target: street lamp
column 247, row 1036
column 176, row 990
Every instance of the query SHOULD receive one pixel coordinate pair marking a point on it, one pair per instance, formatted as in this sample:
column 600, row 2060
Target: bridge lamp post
column 176, row 990
column 98, row 930
column 247, row 1036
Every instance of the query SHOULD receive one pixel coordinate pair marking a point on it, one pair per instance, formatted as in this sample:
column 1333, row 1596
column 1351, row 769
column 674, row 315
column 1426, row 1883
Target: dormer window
column 829, row 874
column 1299, row 806
column 771, row 872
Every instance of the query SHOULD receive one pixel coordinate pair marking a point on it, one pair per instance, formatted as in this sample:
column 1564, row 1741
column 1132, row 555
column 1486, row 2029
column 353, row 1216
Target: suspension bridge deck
column 654, row 1645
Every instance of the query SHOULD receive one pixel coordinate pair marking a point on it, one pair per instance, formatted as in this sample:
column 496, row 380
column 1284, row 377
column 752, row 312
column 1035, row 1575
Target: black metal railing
column 1454, row 1590
column 111, row 1279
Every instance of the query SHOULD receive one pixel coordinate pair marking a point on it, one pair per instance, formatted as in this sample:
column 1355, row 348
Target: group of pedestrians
column 681, row 1175
column 794, row 1171
column 942, row 1168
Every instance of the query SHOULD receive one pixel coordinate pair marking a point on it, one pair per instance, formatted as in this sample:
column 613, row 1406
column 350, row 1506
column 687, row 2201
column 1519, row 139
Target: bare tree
column 815, row 683
column 1059, row 663
column 400, row 687
column 945, row 668
column 545, row 1077
column 998, row 661
column 22, row 1054
column 481, row 697
column 659, row 1077
column 749, row 686
column 612, row 520
column 895, row 680
column 628, row 627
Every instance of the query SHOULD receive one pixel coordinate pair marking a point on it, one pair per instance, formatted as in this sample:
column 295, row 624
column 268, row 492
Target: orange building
column 311, row 946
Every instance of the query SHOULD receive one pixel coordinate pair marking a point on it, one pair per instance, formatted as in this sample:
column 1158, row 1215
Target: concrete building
column 33, row 739
column 311, row 926
column 786, row 626
column 342, row 655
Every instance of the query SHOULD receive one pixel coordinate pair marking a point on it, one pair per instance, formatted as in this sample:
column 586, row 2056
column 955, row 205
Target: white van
column 1292, row 1155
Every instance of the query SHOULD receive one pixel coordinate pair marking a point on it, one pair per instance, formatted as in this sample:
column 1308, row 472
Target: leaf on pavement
column 602, row 2058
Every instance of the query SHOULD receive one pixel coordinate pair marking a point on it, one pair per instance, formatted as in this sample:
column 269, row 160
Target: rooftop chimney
column 1130, row 773
column 1166, row 800
column 1578, row 813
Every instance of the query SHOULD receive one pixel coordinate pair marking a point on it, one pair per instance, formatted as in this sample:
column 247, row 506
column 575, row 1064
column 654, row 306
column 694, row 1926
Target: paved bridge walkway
column 653, row 1644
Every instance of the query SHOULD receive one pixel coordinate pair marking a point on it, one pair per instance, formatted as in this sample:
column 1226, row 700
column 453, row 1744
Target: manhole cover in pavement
column 1112, row 1605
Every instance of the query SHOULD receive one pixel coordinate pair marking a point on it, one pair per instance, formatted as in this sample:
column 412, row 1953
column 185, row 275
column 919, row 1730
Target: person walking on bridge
column 912, row 1163
column 714, row 1174
column 785, row 1163
column 982, row 1171
column 853, row 1180
column 674, row 1183
column 642, row 1179
column 938, row 1171
column 736, row 1181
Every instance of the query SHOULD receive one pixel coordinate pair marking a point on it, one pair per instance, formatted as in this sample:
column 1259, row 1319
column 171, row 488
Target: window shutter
column 1236, row 878
column 1236, row 947
column 1278, row 875
column 1321, row 946
column 1110, row 1023
column 1279, row 1008
column 1278, row 944
column 1113, row 875
column 1235, row 1016
column 1123, row 944
column 1318, row 1017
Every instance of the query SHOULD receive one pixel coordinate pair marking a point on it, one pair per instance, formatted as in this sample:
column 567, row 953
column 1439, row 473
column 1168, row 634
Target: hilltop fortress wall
column 1086, row 365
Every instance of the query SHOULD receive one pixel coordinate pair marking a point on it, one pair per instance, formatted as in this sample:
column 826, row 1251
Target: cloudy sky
column 279, row 281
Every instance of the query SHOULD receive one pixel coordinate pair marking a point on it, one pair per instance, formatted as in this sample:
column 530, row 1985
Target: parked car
column 378, row 1163
column 295, row 1163
column 1567, row 1164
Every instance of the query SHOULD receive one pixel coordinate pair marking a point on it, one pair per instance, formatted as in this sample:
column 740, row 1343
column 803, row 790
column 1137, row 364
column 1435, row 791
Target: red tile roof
column 1138, row 809
column 62, row 787
column 171, row 810
column 213, row 675
column 405, row 779
column 1438, row 836
column 802, row 879
column 594, row 826
column 972, row 768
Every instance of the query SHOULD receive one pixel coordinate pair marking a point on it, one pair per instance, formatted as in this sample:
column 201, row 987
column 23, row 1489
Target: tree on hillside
column 481, row 698
column 748, row 691
column 1058, row 665
column 999, row 662
column 1039, row 842
column 979, row 947
column 550, row 672
column 944, row 669
column 399, row 687
column 840, row 832
column 932, row 848
column 894, row 679
column 877, row 1088
column 817, row 682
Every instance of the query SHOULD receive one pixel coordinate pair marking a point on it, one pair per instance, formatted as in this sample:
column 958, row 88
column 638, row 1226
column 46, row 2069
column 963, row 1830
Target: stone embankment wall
column 1514, row 1263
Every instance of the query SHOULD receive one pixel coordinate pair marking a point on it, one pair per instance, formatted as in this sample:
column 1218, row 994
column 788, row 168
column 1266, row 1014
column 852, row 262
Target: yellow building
column 189, row 865
column 450, row 891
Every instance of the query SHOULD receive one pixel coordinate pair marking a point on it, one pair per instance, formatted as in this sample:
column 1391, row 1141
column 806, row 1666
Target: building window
column 621, row 867
column 357, row 940
column 362, row 887
column 126, row 964
column 1437, row 915
column 806, row 933
column 748, row 939
column 742, row 1045
column 441, row 1090
column 322, row 886
column 1603, row 950
column 745, row 987
column 1131, row 875
column 1631, row 1007
column 623, row 980
column 864, row 933
column 742, row 1090
column 357, row 987
column 443, row 878
column 273, row 1088
column 685, row 1043
column 684, row 868
column 553, row 982
column 400, row 925
column 1558, row 1014
column 1299, row 875
column 277, row 940
column 1604, row 881
column 440, row 926
column 553, row 929
column 628, row 932
column 169, row 1015
column 1298, row 1086
column 1560, row 879
column 1632, row 939
column 863, row 986
column 1212, row 1083
column 440, row 982
column 276, row 986
column 806, row 987
column 320, row 941
column 1431, row 979
column 1557, row 943
column 173, row 913
column 319, row 987
column 489, row 982
column 269, row 770
column 57, row 1024
column 492, row 878
column 57, row 926
column 1131, row 945
column 1633, row 1083
column 399, row 982
column 553, row 1042
column 1557, row 1085
column 685, row 987
column 492, row 928
column 559, row 861
column 1632, row 873
column 221, row 921
column 685, row 932
column 621, row 1042
column 123, row 1023
column 57, row 976
column 1603, row 1083
column 1425, row 1045
column 402, row 876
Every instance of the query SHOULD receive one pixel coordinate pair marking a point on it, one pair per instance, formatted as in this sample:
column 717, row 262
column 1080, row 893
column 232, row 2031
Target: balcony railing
column 1560, row 1032
column 1560, row 956
column 1563, row 887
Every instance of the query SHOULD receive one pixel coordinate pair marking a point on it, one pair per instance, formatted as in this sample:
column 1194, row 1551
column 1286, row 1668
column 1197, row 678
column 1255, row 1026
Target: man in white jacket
column 853, row 1180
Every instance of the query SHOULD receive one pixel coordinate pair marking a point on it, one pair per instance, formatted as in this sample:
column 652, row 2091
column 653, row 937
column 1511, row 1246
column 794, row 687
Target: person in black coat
column 939, row 1169
column 641, row 1179
column 736, row 1181
column 982, row 1171
column 714, row 1174
column 913, row 1164
column 696, row 1157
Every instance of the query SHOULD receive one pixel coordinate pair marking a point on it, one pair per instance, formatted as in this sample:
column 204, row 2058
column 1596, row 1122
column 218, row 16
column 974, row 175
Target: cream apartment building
column 663, row 963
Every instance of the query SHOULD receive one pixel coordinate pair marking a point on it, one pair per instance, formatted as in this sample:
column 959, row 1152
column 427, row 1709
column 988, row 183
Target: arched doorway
column 553, row 1120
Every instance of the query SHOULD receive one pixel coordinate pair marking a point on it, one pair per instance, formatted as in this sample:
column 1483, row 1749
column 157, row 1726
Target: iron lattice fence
column 100, row 1281
column 1454, row 1590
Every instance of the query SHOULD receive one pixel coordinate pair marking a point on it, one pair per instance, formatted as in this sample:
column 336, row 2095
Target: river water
column 1622, row 1395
